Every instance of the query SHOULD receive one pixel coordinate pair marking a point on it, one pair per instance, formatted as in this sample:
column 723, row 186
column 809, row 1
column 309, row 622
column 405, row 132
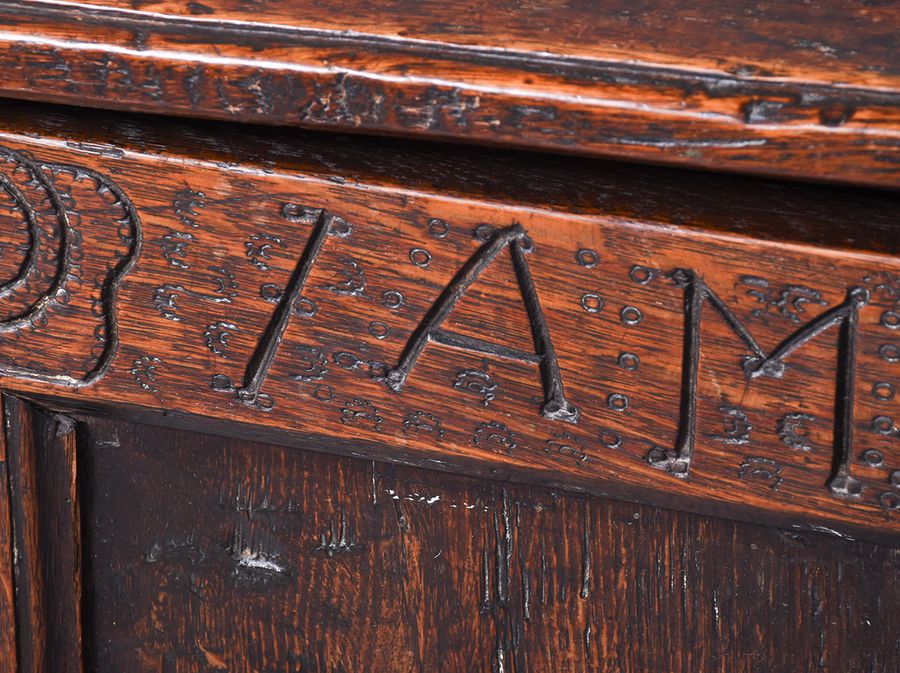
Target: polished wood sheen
column 578, row 353
column 205, row 553
column 785, row 88
column 683, row 340
column 7, row 578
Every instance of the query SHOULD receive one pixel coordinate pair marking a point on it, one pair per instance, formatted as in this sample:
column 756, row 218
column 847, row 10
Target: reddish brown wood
column 31, row 632
column 794, row 89
column 7, row 580
column 855, row 39
column 46, row 522
column 187, row 240
column 729, row 347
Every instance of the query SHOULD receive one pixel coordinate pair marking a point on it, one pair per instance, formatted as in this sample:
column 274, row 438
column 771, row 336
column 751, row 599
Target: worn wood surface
column 797, row 89
column 205, row 554
column 46, row 521
column 7, row 581
column 719, row 345
column 31, row 634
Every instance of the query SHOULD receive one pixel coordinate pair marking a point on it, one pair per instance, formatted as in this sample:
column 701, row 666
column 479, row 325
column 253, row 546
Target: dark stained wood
column 7, row 580
column 31, row 631
column 205, row 554
column 46, row 521
column 240, row 278
column 795, row 89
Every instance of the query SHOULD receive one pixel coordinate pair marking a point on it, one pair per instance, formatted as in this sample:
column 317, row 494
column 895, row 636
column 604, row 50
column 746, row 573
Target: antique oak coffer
column 426, row 336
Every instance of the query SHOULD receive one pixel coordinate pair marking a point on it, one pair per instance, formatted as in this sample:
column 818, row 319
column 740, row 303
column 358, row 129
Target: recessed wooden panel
column 626, row 344
column 206, row 554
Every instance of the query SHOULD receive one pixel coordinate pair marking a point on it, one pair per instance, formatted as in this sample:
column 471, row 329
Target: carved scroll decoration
column 62, row 267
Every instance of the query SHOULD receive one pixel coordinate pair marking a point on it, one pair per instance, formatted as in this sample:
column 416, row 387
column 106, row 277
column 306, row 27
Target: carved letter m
column 757, row 364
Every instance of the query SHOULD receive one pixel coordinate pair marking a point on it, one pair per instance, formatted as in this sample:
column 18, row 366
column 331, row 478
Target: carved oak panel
column 591, row 350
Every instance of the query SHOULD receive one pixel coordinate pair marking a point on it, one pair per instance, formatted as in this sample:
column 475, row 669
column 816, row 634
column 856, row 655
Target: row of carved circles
column 884, row 392
column 592, row 302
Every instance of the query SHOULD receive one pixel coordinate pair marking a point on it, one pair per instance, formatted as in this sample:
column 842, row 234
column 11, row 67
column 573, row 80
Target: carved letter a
column 555, row 404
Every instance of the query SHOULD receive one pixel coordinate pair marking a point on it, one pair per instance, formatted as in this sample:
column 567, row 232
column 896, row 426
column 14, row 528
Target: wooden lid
column 802, row 90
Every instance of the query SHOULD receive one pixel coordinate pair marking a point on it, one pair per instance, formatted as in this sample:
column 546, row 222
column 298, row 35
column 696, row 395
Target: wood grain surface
column 8, row 659
column 714, row 344
column 794, row 89
column 205, row 554
column 46, row 546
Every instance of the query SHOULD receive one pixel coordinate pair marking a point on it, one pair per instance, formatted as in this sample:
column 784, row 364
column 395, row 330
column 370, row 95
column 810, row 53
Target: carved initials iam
column 756, row 364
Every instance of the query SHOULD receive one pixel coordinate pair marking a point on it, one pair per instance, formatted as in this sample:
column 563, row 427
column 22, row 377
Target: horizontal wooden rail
column 716, row 344
column 776, row 88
